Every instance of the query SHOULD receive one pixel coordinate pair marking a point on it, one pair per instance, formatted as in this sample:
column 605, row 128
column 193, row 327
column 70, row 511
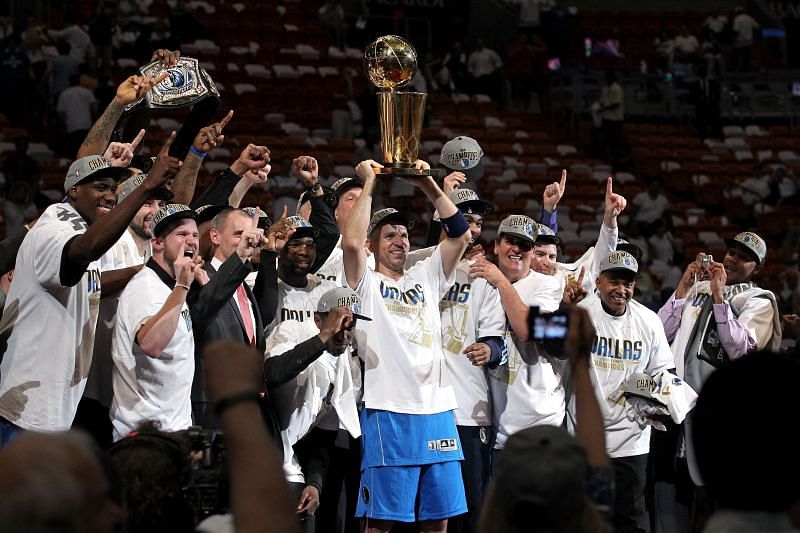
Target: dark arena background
column 692, row 107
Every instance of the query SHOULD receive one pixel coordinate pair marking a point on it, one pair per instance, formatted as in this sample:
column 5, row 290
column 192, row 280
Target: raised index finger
column 227, row 118
column 563, row 179
column 135, row 142
column 168, row 143
column 580, row 276
column 609, row 187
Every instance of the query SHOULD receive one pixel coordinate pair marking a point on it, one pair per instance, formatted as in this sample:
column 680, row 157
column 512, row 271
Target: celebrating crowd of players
column 406, row 377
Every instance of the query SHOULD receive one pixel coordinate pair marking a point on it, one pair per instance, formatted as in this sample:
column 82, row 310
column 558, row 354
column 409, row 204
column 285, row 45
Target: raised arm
column 265, row 289
column 306, row 170
column 609, row 232
column 354, row 232
column 234, row 377
column 451, row 182
column 130, row 90
column 253, row 165
column 455, row 226
column 156, row 333
column 101, row 236
column 206, row 140
column 550, row 197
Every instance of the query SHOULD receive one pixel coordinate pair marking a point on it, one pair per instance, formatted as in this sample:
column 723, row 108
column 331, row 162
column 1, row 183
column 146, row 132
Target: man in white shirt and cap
column 629, row 340
column 324, row 377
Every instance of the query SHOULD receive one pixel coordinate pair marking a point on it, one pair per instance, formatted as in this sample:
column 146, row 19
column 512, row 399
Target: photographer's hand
column 255, row 471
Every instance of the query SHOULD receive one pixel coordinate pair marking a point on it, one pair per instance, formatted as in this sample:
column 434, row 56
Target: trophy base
column 409, row 172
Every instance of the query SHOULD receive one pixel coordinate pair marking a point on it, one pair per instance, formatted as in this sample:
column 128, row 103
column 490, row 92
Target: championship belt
column 185, row 85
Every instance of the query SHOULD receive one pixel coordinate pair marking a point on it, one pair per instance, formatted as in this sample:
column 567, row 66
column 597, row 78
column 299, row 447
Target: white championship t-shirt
column 405, row 369
column 333, row 267
column 527, row 391
column 327, row 385
column 150, row 388
column 623, row 345
column 49, row 351
column 470, row 310
column 299, row 303
column 123, row 254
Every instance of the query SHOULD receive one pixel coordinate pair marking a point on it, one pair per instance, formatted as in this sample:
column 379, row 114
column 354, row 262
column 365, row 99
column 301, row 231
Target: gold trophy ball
column 390, row 62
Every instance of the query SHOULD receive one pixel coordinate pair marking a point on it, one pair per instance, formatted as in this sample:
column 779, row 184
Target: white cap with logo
column 519, row 226
column 90, row 168
column 619, row 261
column 341, row 297
column 752, row 242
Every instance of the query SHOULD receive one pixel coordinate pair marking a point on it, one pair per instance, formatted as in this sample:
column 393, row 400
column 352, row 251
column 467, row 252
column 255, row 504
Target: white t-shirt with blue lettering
column 623, row 345
column 52, row 327
column 333, row 267
column 470, row 310
column 299, row 303
column 527, row 391
column 405, row 367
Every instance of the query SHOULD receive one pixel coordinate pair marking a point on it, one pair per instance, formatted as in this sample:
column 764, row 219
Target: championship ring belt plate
column 185, row 85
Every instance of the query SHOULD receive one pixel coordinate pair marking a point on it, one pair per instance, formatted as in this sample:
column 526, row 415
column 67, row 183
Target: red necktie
column 247, row 315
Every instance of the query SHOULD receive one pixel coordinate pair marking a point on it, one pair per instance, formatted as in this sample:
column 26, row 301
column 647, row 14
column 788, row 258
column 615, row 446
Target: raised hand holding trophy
column 391, row 62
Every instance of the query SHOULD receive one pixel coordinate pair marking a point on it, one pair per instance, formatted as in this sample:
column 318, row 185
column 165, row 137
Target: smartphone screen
column 547, row 326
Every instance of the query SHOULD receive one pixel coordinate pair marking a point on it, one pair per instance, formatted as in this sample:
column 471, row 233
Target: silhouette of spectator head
column 747, row 451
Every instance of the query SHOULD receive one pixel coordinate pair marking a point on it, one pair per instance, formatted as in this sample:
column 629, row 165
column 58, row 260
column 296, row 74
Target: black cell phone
column 547, row 326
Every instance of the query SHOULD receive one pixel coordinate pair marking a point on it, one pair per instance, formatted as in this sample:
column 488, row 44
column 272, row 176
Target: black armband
column 456, row 225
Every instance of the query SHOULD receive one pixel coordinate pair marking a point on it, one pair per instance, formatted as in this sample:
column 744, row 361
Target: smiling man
column 50, row 314
column 629, row 340
column 117, row 267
column 411, row 451
column 527, row 389
column 473, row 326
column 729, row 307
column 298, row 289
column 717, row 315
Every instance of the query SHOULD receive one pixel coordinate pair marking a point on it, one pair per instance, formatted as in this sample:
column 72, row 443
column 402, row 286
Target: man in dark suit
column 242, row 318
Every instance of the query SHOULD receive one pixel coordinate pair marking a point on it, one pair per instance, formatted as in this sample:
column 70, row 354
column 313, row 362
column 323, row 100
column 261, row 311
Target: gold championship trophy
column 391, row 62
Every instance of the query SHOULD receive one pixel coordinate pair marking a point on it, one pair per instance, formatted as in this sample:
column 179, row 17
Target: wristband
column 235, row 399
column 456, row 225
column 182, row 286
column 197, row 152
column 314, row 188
